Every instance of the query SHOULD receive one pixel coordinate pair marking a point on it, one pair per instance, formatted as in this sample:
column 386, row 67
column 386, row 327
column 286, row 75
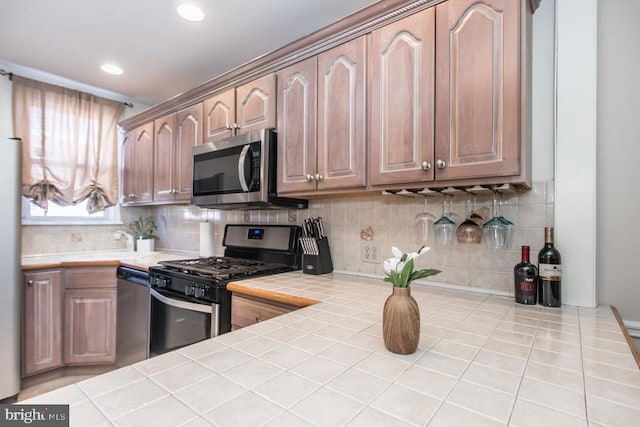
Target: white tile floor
column 482, row 361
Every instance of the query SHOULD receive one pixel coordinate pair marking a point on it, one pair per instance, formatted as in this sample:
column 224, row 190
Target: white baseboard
column 633, row 328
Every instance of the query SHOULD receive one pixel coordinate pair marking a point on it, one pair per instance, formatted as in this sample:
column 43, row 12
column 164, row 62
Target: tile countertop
column 139, row 260
column 482, row 360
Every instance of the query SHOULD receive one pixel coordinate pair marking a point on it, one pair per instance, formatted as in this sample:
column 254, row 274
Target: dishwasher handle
column 140, row 277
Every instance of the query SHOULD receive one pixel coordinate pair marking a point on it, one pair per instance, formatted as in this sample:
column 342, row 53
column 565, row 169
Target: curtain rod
column 4, row 73
column 10, row 75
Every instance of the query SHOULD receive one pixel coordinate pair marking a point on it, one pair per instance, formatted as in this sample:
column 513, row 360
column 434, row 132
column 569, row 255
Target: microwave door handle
column 241, row 161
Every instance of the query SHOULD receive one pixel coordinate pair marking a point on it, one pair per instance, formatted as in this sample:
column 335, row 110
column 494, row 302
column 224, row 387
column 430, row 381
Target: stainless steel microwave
column 239, row 173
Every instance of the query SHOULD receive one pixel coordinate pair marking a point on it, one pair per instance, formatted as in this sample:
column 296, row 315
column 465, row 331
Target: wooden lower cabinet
column 69, row 318
column 90, row 326
column 42, row 322
column 247, row 310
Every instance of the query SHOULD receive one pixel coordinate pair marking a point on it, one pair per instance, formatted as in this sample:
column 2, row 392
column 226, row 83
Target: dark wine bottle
column 549, row 272
column 525, row 275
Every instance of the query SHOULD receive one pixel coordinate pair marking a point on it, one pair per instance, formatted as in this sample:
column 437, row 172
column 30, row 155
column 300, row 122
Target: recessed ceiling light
column 111, row 69
column 190, row 12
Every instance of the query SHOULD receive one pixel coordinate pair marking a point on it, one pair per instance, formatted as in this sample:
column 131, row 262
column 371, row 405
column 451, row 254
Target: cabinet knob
column 319, row 177
column 30, row 282
column 257, row 319
column 310, row 178
column 441, row 164
column 426, row 166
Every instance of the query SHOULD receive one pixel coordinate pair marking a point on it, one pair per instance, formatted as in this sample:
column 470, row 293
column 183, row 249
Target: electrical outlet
column 370, row 253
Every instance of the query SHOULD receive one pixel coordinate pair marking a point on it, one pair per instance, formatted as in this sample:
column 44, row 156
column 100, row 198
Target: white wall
column 6, row 128
column 618, row 165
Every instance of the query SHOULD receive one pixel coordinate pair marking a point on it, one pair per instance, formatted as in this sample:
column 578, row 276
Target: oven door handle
column 203, row 308
column 241, row 162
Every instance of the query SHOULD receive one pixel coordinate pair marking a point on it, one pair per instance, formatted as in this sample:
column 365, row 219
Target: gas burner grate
column 224, row 267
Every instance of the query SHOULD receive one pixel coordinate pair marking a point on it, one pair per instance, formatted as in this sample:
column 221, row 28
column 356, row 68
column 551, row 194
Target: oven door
column 177, row 321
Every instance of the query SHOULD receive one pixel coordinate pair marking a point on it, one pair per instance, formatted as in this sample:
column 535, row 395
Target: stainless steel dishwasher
column 132, row 333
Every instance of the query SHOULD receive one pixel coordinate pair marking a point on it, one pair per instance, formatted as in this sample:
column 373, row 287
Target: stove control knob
column 163, row 282
column 199, row 292
column 188, row 289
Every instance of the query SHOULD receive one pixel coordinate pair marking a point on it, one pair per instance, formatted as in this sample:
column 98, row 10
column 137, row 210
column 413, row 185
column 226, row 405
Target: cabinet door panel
column 165, row 135
column 297, row 126
column 90, row 277
column 143, row 161
column 256, row 104
column 219, row 116
column 402, row 97
column 246, row 311
column 189, row 128
column 478, row 96
column 341, row 116
column 90, row 326
column 128, row 166
column 42, row 339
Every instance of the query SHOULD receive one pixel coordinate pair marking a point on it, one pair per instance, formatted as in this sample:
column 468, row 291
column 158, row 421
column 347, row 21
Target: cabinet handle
column 257, row 319
column 310, row 178
column 319, row 177
column 30, row 282
column 426, row 166
column 441, row 164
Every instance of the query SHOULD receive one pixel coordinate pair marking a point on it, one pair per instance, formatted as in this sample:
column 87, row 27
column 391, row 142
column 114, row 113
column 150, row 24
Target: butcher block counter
column 482, row 360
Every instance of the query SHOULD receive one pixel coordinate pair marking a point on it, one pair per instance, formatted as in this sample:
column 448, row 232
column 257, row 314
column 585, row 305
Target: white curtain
column 69, row 144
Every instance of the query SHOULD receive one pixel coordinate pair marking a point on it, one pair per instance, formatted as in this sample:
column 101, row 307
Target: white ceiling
column 162, row 54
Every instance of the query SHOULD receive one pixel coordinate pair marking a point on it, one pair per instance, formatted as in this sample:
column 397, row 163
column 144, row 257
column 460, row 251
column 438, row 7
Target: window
column 33, row 214
column 69, row 155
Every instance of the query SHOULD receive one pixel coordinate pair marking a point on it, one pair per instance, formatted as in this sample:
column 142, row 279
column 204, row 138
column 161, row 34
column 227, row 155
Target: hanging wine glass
column 423, row 220
column 444, row 228
column 496, row 232
column 469, row 231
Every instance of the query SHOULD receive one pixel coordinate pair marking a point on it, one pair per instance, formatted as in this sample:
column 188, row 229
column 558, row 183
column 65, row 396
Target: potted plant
column 401, row 314
column 143, row 229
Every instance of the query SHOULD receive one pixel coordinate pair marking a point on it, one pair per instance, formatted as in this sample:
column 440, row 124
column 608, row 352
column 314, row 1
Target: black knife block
column 318, row 264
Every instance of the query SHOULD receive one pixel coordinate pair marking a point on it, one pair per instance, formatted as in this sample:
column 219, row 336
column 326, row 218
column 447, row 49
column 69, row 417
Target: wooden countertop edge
column 133, row 265
column 632, row 347
column 271, row 295
column 62, row 264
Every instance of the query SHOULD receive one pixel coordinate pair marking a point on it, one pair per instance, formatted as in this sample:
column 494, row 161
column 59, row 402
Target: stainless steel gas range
column 189, row 298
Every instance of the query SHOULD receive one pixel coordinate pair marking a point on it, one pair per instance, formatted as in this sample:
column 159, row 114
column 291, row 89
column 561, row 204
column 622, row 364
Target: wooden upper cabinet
column 341, row 130
column 297, row 126
column 137, row 174
column 164, row 152
column 42, row 321
column 189, row 134
column 219, row 116
column 401, row 93
column 478, row 95
column 322, row 121
column 176, row 135
column 256, row 104
column 249, row 107
column 128, row 166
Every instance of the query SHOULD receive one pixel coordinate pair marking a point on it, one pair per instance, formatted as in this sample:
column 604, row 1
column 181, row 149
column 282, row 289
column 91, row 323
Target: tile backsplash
column 351, row 221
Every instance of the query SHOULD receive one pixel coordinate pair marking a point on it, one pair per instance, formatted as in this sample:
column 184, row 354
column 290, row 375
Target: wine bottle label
column 528, row 285
column 550, row 271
